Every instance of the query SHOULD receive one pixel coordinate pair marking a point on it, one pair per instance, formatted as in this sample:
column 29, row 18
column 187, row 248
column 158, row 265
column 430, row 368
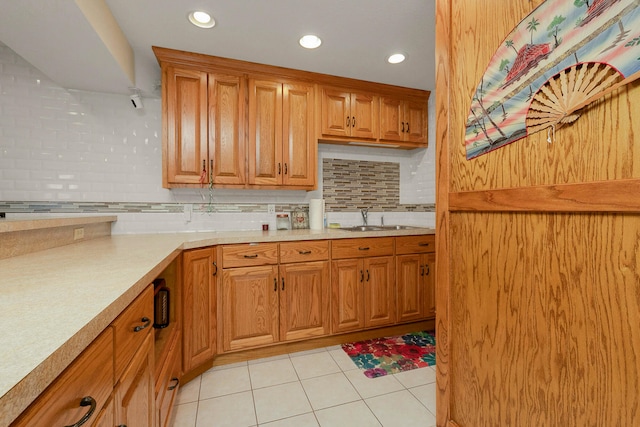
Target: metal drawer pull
column 172, row 387
column 283, row 283
column 146, row 321
column 361, row 276
column 304, row 252
column 348, row 121
column 251, row 256
column 353, row 121
column 422, row 270
column 427, row 267
column 363, row 248
column 215, row 272
column 368, row 277
column 423, row 244
column 85, row 401
column 275, row 285
column 285, row 168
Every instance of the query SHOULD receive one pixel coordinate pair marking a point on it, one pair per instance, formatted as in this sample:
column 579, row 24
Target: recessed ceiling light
column 396, row 58
column 201, row 19
column 310, row 41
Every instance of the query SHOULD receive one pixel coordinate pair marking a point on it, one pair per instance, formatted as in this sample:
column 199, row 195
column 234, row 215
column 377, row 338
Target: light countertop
column 55, row 302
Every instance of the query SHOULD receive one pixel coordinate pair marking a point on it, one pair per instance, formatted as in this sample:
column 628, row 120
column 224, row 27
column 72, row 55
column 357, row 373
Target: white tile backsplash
column 69, row 145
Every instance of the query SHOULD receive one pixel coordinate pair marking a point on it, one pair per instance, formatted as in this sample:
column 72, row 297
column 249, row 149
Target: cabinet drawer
column 250, row 254
column 313, row 250
column 358, row 248
column 168, row 382
column 415, row 244
column 131, row 328
column 90, row 376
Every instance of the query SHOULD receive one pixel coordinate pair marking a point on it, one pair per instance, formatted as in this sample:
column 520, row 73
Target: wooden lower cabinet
column 167, row 385
column 199, row 306
column 304, row 300
column 363, row 293
column 249, row 307
column 82, row 390
column 416, row 289
column 135, row 392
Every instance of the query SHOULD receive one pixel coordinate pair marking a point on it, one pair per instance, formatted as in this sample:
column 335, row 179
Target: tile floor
column 321, row 387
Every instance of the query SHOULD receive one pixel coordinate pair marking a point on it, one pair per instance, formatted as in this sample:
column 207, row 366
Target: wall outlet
column 187, row 211
column 78, row 233
column 271, row 209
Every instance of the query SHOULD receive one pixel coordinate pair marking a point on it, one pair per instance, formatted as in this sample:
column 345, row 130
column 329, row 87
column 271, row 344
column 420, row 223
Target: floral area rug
column 388, row 355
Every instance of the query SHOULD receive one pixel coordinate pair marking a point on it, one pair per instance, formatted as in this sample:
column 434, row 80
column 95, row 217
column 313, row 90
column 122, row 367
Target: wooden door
column 250, row 307
column 415, row 117
column 135, row 393
column 199, row 307
column 226, row 129
column 265, row 132
column 379, row 291
column 347, row 298
column 299, row 148
column 304, row 300
column 186, row 142
column 335, row 112
column 391, row 119
column 364, row 115
column 410, row 287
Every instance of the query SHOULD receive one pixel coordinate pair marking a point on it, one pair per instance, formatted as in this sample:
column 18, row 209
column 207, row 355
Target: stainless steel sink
column 377, row 227
column 363, row 228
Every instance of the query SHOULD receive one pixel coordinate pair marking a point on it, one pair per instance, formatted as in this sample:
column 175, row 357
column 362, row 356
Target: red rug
column 388, row 355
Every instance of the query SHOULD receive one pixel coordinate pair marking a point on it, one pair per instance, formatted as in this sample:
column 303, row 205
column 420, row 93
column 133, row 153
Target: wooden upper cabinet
column 204, row 139
column 403, row 120
column 282, row 149
column 349, row 114
column 185, row 128
column 226, row 129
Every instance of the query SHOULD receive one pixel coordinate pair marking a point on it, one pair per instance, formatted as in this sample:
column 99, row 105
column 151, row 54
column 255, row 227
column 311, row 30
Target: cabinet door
column 249, row 307
column 379, row 291
column 364, row 116
column 391, row 119
column 410, row 272
column 415, row 117
column 336, row 112
column 186, row 126
column 347, row 299
column 265, row 132
column 226, row 130
column 199, row 307
column 299, row 148
column 304, row 300
column 106, row 416
column 135, row 397
column 430, row 284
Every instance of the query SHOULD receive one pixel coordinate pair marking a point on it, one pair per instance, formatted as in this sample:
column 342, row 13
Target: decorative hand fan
column 587, row 49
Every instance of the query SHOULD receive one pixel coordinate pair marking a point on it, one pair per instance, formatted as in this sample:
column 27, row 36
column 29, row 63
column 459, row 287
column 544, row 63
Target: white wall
column 66, row 145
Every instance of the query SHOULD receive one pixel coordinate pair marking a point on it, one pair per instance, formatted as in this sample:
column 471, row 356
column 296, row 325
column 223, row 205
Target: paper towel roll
column 316, row 214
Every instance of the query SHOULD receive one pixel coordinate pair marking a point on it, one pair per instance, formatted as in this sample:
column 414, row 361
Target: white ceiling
column 357, row 35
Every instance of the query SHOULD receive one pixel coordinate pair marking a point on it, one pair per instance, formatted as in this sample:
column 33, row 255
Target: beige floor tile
column 304, row 420
column 185, row 415
column 344, row 362
column 416, row 377
column 370, row 387
column 400, row 409
column 226, row 381
column 233, row 410
column 273, row 372
column 355, row 414
column 426, row 394
column 315, row 365
column 280, row 401
column 329, row 390
column 189, row 392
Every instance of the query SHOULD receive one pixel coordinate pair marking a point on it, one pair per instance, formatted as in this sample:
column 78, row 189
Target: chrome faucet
column 364, row 213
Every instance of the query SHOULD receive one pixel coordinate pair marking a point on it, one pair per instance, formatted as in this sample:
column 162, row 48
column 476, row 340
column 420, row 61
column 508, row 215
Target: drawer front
column 312, row 250
column 415, row 244
column 250, row 254
column 360, row 248
column 131, row 328
column 89, row 377
column 168, row 383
